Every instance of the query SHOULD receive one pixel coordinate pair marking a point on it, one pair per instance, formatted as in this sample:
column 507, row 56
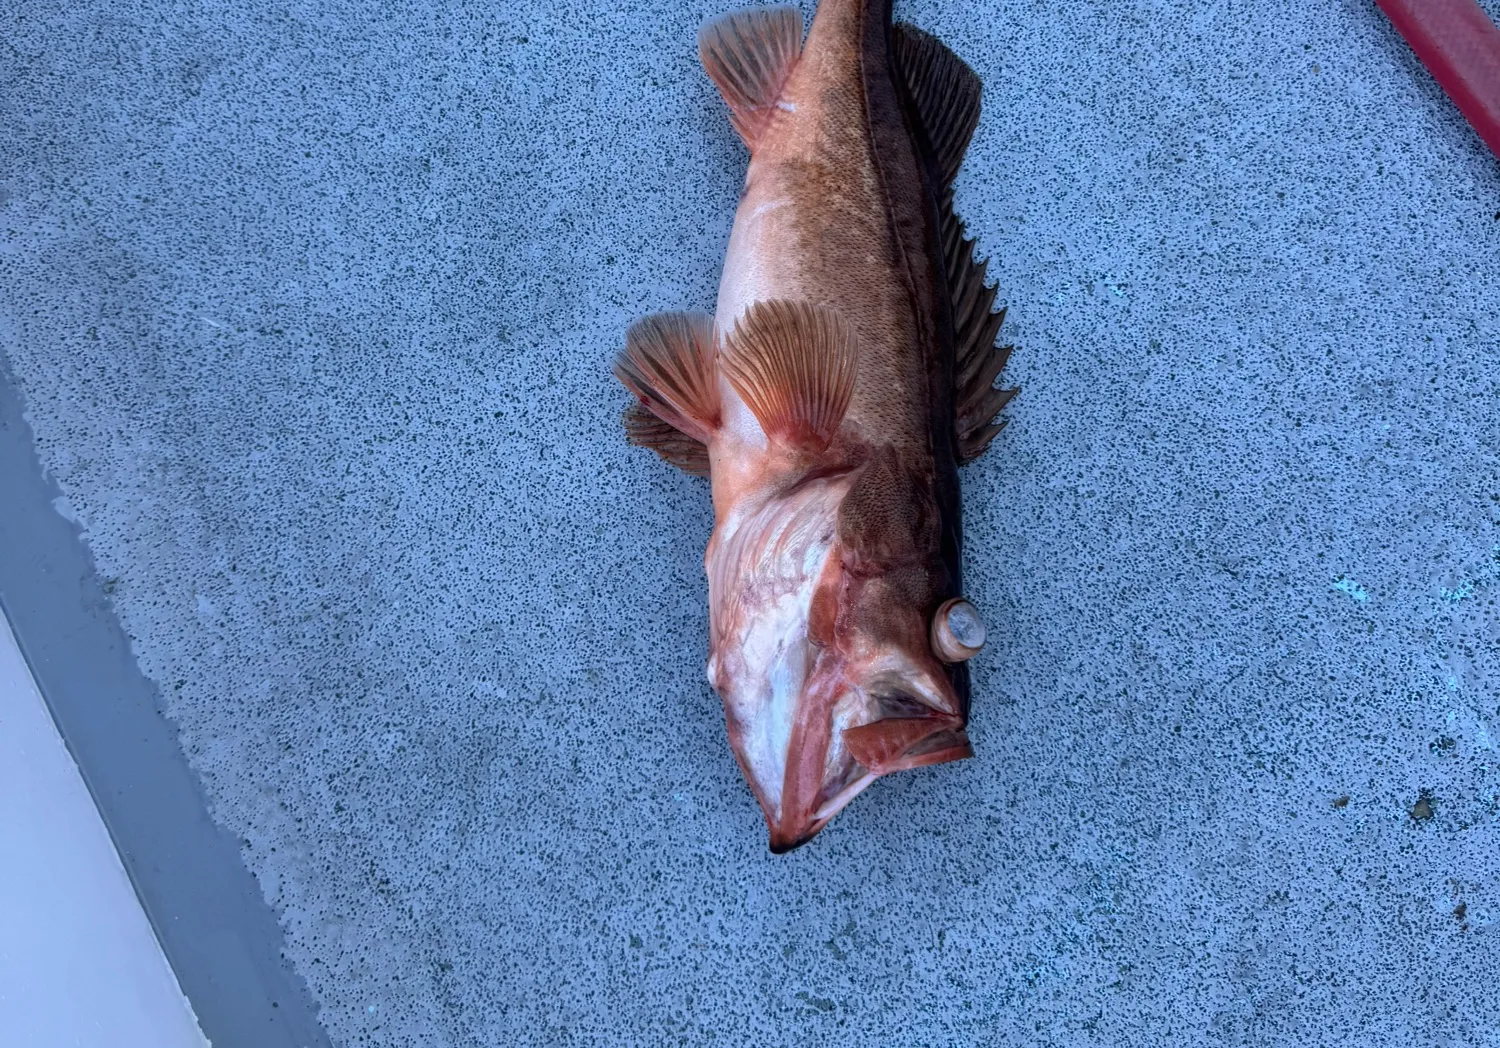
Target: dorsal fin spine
column 944, row 94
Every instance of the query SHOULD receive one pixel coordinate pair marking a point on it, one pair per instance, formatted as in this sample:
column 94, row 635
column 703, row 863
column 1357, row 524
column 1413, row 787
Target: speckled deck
column 312, row 308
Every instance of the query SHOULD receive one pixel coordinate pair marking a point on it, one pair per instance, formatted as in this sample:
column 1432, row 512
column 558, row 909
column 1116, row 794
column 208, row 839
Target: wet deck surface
column 311, row 308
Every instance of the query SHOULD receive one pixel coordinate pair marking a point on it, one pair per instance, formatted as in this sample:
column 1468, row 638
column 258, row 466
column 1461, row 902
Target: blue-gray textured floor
column 312, row 305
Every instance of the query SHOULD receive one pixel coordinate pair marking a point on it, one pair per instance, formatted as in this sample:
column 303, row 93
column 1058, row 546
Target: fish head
column 832, row 643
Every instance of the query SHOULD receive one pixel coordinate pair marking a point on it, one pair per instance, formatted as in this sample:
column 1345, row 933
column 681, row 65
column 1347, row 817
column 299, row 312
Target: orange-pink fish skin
column 824, row 570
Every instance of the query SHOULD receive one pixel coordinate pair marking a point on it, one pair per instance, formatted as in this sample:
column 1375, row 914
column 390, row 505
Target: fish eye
column 957, row 631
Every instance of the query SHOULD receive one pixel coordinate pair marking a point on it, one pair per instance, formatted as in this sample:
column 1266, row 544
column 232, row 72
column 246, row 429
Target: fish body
column 847, row 371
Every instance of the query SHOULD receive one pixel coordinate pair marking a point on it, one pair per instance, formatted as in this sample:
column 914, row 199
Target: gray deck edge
column 217, row 931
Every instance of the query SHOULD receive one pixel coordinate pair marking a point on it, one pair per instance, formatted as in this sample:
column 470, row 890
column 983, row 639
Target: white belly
column 758, row 266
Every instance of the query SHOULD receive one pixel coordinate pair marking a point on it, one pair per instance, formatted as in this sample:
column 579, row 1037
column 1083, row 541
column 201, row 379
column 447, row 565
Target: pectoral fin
column 793, row 363
column 749, row 55
column 675, row 447
column 668, row 363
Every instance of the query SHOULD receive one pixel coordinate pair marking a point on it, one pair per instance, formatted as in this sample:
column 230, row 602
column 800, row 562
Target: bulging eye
column 957, row 631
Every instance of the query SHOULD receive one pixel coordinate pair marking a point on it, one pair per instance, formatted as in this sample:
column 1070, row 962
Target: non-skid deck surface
column 312, row 307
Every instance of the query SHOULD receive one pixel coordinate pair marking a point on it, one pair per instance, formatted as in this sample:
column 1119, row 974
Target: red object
column 1460, row 46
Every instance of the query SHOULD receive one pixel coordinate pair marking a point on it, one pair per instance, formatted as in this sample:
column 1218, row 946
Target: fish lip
column 794, row 829
column 780, row 843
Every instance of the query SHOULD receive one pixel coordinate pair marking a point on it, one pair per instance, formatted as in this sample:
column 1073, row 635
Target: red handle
column 1460, row 46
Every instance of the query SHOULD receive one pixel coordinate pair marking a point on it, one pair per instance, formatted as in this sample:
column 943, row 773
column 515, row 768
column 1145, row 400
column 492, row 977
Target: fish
column 847, row 371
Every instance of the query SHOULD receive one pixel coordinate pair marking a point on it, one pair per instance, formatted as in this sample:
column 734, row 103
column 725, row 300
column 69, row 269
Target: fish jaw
column 767, row 556
column 827, row 678
column 817, row 730
column 846, row 736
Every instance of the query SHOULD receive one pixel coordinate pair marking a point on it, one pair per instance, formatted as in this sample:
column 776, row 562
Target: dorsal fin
column 749, row 55
column 675, row 447
column 668, row 363
column 977, row 360
column 945, row 92
column 793, row 363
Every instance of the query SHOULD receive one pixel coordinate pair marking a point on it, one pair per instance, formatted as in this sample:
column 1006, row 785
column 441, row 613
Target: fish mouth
column 789, row 838
column 910, row 743
column 782, row 845
column 838, row 732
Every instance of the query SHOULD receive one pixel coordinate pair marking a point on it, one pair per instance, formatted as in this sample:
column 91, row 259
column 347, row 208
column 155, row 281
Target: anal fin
column 749, row 55
column 793, row 363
